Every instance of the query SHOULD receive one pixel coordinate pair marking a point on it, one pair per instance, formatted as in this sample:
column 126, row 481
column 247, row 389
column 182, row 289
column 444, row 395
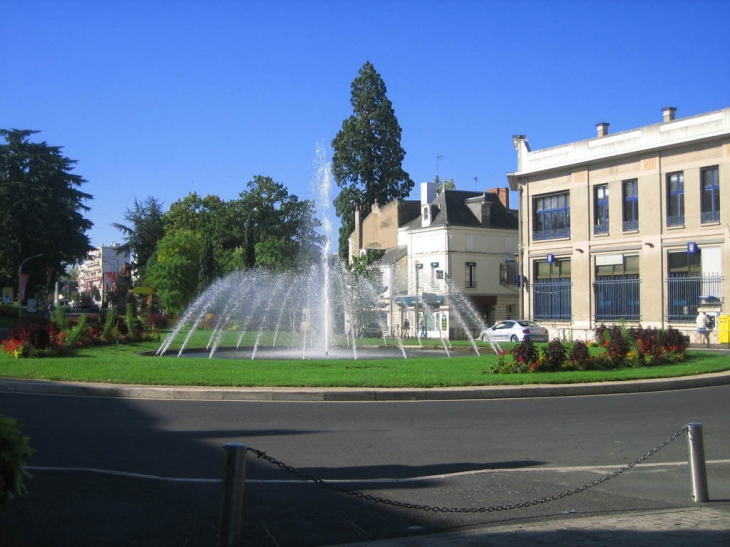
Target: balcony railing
column 556, row 233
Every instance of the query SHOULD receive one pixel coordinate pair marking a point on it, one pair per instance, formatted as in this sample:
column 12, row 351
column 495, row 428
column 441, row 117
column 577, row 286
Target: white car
column 515, row 330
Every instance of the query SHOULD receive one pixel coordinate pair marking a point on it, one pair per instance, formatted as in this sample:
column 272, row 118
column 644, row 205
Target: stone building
column 626, row 226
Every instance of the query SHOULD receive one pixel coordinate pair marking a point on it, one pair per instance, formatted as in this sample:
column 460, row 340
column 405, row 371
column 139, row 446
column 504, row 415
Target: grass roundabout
column 132, row 364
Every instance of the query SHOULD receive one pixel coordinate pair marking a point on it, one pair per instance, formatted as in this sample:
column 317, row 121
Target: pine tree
column 368, row 157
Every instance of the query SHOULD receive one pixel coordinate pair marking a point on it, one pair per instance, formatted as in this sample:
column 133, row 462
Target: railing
column 235, row 470
column 677, row 220
column 710, row 216
column 618, row 297
column 685, row 292
column 631, row 225
column 551, row 299
column 557, row 233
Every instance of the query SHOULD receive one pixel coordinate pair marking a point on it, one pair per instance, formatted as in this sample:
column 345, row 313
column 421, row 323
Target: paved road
column 458, row 454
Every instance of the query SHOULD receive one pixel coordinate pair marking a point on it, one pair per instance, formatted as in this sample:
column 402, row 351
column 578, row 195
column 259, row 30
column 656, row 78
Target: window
column 551, row 290
column 710, row 180
column 675, row 199
column 630, row 205
column 470, row 281
column 617, row 288
column 600, row 209
column 508, row 273
column 552, row 217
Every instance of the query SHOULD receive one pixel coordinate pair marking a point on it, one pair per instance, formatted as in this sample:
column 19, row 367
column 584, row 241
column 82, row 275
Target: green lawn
column 124, row 364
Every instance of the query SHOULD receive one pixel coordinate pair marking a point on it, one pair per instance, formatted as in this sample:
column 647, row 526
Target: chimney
column 502, row 194
column 668, row 113
column 358, row 228
column 523, row 148
column 602, row 129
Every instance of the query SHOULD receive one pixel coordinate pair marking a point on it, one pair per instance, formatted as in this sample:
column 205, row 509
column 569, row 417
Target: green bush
column 14, row 452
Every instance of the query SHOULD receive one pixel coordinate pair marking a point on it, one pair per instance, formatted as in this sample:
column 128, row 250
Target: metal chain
column 393, row 503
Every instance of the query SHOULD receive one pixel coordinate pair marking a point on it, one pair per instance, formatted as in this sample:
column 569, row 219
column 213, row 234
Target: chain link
column 393, row 503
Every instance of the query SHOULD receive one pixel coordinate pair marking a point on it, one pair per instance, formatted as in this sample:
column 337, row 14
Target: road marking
column 599, row 469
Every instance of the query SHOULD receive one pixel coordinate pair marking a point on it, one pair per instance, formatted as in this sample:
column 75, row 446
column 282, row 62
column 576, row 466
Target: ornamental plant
column 554, row 355
column 525, row 353
column 14, row 453
column 30, row 338
column 579, row 355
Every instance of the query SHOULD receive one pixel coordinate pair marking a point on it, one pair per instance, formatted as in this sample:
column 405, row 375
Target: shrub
column 673, row 340
column 554, row 355
column 579, row 355
column 14, row 452
column 618, row 346
column 156, row 321
column 525, row 353
column 33, row 338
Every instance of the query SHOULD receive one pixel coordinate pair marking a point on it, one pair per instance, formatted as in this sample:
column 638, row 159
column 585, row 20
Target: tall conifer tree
column 368, row 157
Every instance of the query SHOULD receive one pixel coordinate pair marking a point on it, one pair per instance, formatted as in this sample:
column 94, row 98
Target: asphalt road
column 145, row 472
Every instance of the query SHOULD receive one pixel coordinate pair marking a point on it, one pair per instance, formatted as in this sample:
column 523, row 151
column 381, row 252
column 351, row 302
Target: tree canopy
column 42, row 210
column 145, row 229
column 368, row 157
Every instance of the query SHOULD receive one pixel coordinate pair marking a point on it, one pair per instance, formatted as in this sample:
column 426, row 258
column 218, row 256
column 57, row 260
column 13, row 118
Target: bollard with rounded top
column 233, row 481
column 697, row 462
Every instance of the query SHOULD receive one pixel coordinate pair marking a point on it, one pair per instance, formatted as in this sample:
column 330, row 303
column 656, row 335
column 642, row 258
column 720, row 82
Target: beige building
column 626, row 226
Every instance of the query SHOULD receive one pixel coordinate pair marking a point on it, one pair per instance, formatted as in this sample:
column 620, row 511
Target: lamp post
column 20, row 283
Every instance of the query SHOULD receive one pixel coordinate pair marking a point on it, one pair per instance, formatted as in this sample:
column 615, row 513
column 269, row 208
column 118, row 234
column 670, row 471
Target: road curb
column 79, row 389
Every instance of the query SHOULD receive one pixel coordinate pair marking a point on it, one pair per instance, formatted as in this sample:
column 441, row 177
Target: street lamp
column 20, row 283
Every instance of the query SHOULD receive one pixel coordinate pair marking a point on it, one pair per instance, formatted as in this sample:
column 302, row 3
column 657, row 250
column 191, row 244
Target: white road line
column 601, row 469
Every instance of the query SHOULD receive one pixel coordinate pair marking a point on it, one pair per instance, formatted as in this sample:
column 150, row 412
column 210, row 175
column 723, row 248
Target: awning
column 426, row 299
column 143, row 290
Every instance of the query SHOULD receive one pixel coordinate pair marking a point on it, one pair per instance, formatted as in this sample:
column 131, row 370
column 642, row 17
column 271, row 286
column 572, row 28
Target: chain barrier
column 417, row 507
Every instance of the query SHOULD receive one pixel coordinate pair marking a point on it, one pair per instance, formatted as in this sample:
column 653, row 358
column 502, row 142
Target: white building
column 102, row 271
column 446, row 243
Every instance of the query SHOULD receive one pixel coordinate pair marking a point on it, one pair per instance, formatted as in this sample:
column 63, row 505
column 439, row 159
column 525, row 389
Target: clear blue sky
column 163, row 98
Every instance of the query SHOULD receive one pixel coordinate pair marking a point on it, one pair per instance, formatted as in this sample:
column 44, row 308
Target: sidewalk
column 707, row 525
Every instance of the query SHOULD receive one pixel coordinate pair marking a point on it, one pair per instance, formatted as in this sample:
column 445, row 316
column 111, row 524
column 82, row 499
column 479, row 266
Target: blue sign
column 550, row 258
column 692, row 247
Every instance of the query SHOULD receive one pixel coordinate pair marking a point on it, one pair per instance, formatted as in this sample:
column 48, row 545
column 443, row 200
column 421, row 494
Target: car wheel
column 514, row 338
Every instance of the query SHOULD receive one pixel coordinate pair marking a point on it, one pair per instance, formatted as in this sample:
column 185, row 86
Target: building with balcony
column 626, row 226
column 99, row 274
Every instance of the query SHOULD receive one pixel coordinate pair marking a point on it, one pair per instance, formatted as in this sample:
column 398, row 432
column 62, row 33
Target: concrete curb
column 284, row 394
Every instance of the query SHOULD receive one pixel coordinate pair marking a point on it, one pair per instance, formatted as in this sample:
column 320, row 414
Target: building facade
column 626, row 226
column 448, row 244
column 98, row 275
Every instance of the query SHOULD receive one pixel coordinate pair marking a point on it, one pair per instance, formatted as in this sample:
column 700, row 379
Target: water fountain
column 305, row 313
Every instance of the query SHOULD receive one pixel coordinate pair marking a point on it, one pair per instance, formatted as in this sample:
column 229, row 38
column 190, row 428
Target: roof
column 450, row 209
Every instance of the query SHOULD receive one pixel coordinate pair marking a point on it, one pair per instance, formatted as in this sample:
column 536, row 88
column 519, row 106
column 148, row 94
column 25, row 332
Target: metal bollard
column 697, row 462
column 233, row 481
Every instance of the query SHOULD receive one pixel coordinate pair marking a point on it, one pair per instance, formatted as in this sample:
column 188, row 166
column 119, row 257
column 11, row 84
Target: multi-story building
column 446, row 243
column 98, row 275
column 626, row 226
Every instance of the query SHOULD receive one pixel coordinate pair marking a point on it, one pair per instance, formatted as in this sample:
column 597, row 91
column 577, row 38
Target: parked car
column 372, row 330
column 515, row 330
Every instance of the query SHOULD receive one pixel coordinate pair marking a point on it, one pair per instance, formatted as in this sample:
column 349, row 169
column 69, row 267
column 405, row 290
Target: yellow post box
column 723, row 329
